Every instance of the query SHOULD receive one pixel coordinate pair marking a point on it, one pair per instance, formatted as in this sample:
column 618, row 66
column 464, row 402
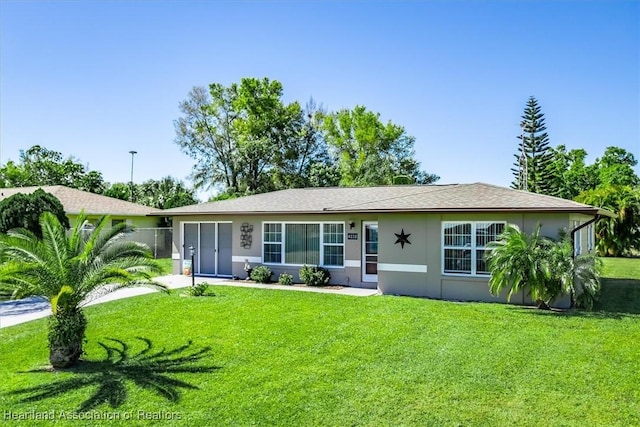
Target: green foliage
column 24, row 211
column 314, row 275
column 370, row 152
column 533, row 160
column 245, row 139
column 261, row 274
column 519, row 261
column 577, row 275
column 198, row 290
column 620, row 235
column 66, row 336
column 285, row 279
column 570, row 175
column 71, row 268
column 120, row 190
column 39, row 166
column 615, row 167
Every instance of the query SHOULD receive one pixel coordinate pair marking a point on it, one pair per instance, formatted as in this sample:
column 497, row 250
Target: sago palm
column 517, row 261
column 577, row 275
column 70, row 269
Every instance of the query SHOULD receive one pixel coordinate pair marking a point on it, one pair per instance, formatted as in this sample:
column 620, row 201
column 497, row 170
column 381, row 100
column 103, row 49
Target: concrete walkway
column 14, row 312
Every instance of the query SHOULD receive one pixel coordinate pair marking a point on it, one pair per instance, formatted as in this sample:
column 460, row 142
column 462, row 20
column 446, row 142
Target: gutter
column 578, row 228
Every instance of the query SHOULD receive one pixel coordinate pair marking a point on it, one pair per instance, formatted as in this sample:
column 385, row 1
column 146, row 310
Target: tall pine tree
column 534, row 157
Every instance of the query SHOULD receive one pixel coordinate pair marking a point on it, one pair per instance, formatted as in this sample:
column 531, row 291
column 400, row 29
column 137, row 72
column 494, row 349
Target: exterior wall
column 349, row 275
column 137, row 221
column 415, row 270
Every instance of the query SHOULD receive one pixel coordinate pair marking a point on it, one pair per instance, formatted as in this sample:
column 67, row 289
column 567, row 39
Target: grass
column 620, row 285
column 166, row 264
column 268, row 357
column 621, row 268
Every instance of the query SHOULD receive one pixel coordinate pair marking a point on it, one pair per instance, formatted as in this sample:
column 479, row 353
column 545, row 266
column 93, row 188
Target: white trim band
column 352, row 263
column 250, row 259
column 403, row 268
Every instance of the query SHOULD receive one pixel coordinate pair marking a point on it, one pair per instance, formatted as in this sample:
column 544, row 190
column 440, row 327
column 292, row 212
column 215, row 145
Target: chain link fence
column 158, row 240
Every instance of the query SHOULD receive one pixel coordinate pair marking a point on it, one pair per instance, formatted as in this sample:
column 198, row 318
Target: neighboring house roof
column 74, row 201
column 476, row 197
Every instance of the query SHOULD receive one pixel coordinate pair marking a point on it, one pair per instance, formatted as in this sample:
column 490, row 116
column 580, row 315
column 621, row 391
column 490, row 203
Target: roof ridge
column 392, row 198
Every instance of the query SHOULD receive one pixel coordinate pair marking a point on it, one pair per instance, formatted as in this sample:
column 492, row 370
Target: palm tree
column 546, row 267
column 517, row 261
column 71, row 269
column 578, row 275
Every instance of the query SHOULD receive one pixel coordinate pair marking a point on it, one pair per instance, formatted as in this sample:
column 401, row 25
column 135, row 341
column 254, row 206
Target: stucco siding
column 415, row 270
column 349, row 275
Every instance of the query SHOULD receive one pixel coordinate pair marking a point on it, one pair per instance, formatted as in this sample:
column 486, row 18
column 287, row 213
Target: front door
column 370, row 252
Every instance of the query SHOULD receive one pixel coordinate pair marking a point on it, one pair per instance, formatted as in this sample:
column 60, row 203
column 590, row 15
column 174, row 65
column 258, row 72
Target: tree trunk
column 66, row 336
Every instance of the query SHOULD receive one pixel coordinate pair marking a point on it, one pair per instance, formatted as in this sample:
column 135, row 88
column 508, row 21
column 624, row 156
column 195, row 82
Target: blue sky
column 98, row 79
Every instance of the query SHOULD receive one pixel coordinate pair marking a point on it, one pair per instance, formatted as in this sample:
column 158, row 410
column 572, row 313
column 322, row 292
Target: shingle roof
column 476, row 197
column 73, row 201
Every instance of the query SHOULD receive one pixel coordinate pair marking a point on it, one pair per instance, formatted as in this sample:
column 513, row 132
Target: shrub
column 285, row 279
column 198, row 290
column 261, row 274
column 314, row 276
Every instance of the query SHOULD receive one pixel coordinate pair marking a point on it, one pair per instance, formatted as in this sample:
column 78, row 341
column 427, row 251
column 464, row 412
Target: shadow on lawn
column 618, row 298
column 146, row 368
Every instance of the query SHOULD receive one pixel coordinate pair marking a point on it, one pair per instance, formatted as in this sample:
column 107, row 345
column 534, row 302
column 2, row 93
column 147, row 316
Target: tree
column 578, row 275
column 620, row 235
column 239, row 135
column 533, row 160
column 70, row 270
column 547, row 268
column 41, row 166
column 119, row 190
column 304, row 160
column 165, row 193
column 369, row 152
column 517, row 262
column 615, row 167
column 569, row 175
column 24, row 211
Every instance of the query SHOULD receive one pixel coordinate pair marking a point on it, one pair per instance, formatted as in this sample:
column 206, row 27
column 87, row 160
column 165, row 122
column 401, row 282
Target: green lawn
column 621, row 268
column 166, row 264
column 620, row 285
column 268, row 357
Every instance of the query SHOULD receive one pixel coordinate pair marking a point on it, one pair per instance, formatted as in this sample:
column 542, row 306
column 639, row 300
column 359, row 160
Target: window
column 272, row 243
column 304, row 243
column 590, row 237
column 577, row 244
column 333, row 244
column 464, row 245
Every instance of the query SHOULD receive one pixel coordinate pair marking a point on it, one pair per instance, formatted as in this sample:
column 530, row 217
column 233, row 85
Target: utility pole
column 133, row 153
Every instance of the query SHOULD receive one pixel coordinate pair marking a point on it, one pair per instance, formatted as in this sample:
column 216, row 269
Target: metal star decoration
column 402, row 238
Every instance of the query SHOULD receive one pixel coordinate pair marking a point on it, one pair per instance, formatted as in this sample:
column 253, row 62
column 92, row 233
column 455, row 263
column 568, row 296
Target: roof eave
column 585, row 210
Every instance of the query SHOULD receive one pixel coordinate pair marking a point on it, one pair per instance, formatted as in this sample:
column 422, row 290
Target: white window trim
column 472, row 247
column 321, row 240
column 577, row 243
